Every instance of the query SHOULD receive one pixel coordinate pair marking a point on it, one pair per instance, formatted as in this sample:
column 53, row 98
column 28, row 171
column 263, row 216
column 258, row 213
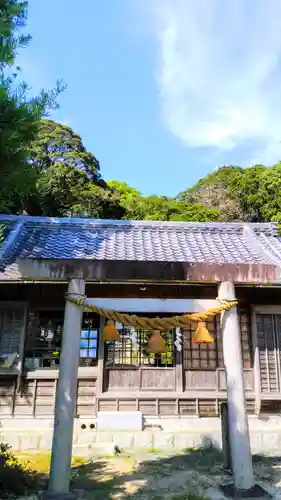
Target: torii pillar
column 60, row 471
column 241, row 458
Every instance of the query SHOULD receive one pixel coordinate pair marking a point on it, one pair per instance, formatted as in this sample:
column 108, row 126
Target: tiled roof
column 214, row 243
column 5, row 229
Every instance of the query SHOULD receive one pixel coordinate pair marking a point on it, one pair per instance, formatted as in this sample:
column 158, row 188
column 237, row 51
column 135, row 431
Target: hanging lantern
column 110, row 332
column 202, row 336
column 156, row 343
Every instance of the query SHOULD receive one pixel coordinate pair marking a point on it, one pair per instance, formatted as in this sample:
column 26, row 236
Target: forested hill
column 46, row 170
column 58, row 177
column 61, row 178
column 250, row 194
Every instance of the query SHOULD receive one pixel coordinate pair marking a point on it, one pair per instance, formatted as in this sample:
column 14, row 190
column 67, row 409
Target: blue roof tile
column 214, row 243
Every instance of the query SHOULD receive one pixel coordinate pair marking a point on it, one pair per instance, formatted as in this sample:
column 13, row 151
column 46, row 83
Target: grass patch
column 152, row 450
column 40, row 462
column 15, row 478
column 189, row 496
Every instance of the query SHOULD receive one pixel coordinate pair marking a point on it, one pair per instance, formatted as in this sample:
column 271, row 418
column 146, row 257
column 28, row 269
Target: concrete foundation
column 159, row 434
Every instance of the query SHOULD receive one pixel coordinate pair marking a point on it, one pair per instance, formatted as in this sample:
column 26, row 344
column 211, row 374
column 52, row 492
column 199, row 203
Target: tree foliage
column 46, row 170
column 62, row 167
column 138, row 207
column 13, row 16
column 19, row 114
column 251, row 194
column 68, row 181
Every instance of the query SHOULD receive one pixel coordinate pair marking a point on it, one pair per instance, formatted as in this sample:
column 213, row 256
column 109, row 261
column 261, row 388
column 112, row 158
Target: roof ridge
column 34, row 220
column 11, row 239
column 250, row 234
column 47, row 238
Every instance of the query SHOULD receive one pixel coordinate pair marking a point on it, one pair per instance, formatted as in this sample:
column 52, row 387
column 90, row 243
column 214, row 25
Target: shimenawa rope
column 155, row 323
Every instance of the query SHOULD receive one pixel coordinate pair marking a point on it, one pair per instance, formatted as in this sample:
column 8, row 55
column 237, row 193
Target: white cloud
column 219, row 72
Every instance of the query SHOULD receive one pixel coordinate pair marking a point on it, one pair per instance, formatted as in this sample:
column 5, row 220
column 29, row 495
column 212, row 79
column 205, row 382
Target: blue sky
column 163, row 91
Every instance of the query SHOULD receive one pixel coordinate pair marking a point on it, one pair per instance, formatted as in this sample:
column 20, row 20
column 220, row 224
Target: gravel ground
column 193, row 475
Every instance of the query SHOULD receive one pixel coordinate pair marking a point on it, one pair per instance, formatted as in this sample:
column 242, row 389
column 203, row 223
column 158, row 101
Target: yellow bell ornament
column 202, row 336
column 110, row 333
column 156, row 343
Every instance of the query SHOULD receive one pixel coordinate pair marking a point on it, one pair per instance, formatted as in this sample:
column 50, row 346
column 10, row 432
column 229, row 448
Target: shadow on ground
column 153, row 476
column 189, row 475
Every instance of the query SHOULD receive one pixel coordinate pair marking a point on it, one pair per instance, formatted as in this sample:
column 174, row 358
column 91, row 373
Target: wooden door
column 269, row 344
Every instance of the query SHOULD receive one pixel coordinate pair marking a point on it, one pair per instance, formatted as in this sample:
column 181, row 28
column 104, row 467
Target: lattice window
column 269, row 344
column 43, row 342
column 210, row 356
column 245, row 329
column 44, row 336
column 11, row 329
column 132, row 350
column 200, row 356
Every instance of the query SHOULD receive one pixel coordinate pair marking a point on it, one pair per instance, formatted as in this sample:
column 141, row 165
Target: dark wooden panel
column 45, row 388
column 187, row 407
column 207, row 408
column 7, row 395
column 248, row 380
column 53, row 295
column 127, row 405
column 160, row 379
column 199, row 379
column 86, row 397
column 107, row 405
column 167, row 407
column 148, row 407
column 123, row 379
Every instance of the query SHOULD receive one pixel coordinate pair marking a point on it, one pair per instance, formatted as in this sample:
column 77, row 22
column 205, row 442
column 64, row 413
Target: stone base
column 47, row 495
column 169, row 433
column 256, row 492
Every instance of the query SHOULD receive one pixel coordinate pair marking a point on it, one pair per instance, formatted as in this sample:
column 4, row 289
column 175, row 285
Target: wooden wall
column 162, row 406
column 36, row 397
column 197, row 367
column 154, row 391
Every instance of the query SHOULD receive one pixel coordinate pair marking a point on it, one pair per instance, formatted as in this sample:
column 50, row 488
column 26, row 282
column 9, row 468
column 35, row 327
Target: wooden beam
column 156, row 305
column 94, row 270
column 256, row 367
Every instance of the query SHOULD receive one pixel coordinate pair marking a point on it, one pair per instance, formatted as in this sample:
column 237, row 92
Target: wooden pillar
column 256, row 367
column 60, row 472
column 241, row 458
column 178, row 353
column 100, row 374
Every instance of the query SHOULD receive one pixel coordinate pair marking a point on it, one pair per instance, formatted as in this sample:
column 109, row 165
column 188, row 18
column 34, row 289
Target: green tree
column 96, row 202
column 57, row 145
column 260, row 192
column 19, row 114
column 154, row 207
column 13, row 15
column 225, row 191
column 247, row 190
column 68, row 181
